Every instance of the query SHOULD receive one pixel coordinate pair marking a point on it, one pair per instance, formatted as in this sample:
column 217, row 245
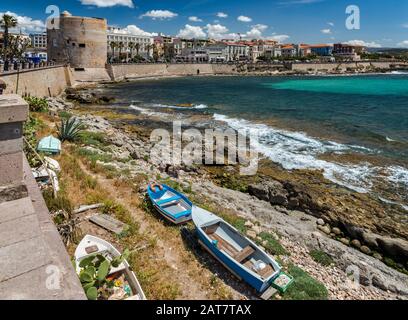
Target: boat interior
column 173, row 203
column 240, row 249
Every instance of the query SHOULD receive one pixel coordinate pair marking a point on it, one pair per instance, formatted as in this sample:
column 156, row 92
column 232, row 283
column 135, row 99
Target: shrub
column 37, row 104
column 69, row 130
column 321, row 257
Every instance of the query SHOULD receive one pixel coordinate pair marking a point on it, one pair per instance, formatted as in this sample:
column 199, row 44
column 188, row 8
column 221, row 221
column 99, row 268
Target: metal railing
column 25, row 66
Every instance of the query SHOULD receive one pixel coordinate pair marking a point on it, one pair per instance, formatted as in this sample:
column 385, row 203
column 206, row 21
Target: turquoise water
column 366, row 86
column 300, row 121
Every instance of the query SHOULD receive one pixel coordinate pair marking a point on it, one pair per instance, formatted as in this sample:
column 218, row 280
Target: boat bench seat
column 224, row 245
column 265, row 273
column 160, row 202
column 244, row 254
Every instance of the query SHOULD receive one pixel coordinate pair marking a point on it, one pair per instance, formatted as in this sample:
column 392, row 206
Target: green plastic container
column 282, row 282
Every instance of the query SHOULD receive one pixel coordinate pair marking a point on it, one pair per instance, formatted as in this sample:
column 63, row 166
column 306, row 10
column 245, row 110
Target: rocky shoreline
column 284, row 208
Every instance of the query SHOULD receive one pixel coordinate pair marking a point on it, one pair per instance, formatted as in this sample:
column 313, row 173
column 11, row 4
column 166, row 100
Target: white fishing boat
column 126, row 287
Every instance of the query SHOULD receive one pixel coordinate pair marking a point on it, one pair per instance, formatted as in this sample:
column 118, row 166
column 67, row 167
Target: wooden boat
column 171, row 204
column 92, row 246
column 237, row 253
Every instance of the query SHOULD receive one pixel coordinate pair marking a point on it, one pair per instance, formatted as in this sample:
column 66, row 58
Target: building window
column 82, row 45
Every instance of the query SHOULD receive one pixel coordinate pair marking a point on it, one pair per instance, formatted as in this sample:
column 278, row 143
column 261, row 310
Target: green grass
column 273, row 246
column 94, row 156
column 92, row 138
column 321, row 257
column 304, row 287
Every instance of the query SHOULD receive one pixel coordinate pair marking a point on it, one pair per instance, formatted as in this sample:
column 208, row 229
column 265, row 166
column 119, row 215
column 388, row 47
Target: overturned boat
column 126, row 286
column 171, row 204
column 237, row 253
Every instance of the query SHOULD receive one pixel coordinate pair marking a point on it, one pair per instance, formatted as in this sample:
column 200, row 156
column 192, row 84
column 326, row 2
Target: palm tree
column 121, row 45
column 131, row 46
column 137, row 47
column 113, row 46
column 7, row 22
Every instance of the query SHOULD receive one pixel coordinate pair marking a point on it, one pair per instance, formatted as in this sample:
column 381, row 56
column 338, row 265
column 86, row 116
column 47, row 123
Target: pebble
column 251, row 234
column 365, row 249
column 320, row 222
column 356, row 244
column 336, row 231
column 249, row 224
column 325, row 229
column 345, row 241
column 378, row 256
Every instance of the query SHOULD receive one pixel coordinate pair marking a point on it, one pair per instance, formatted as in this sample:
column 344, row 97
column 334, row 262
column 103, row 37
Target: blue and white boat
column 171, row 204
column 237, row 253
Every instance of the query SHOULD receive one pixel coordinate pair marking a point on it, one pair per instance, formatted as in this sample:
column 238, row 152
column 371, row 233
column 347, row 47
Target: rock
column 293, row 203
column 249, row 224
column 356, row 244
column 265, row 243
column 271, row 191
column 378, row 256
column 251, row 234
column 320, row 222
column 365, row 249
column 257, row 229
column 336, row 231
column 325, row 229
column 345, row 241
column 316, row 235
column 261, row 191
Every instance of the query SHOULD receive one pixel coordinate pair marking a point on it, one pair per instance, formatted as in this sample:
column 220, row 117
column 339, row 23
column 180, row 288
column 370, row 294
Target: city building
column 39, row 40
column 237, row 51
column 288, row 51
column 79, row 41
column 348, row 52
column 322, row 50
column 193, row 55
column 303, row 50
column 180, row 44
column 217, row 52
column 128, row 45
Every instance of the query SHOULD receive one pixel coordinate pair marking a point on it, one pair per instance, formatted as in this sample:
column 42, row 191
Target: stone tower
column 79, row 41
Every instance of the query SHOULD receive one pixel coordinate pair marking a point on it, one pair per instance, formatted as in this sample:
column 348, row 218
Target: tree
column 113, row 46
column 121, row 45
column 137, row 47
column 6, row 23
column 131, row 46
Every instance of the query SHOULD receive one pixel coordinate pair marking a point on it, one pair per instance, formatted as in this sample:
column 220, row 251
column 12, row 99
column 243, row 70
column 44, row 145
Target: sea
column 353, row 128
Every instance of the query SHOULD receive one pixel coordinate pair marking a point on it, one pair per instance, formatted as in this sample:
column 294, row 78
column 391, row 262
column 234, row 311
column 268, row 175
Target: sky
column 382, row 23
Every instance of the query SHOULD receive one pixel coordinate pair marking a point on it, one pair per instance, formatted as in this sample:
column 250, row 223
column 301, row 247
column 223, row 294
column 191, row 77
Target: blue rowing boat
column 237, row 253
column 171, row 204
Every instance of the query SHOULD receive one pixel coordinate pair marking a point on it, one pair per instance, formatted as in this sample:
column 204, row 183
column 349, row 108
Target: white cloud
column 331, row 24
column 326, row 31
column 159, row 14
column 222, row 15
column 256, row 31
column 135, row 30
column 192, row 32
column 217, row 31
column 108, row 3
column 403, row 44
column 244, row 19
column 195, row 19
column 279, row 37
column 364, row 43
column 26, row 24
column 405, row 25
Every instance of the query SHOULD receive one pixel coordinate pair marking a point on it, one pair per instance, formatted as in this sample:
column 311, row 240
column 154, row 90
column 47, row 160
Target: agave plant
column 94, row 271
column 70, row 129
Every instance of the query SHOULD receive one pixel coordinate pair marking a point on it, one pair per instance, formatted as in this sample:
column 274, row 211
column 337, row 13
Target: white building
column 142, row 45
column 39, row 40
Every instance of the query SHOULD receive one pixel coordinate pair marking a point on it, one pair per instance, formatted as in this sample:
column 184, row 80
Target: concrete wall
column 122, row 71
column 304, row 67
column 44, row 82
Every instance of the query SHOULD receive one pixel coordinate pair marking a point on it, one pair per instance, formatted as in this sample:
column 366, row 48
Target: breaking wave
column 179, row 107
column 297, row 150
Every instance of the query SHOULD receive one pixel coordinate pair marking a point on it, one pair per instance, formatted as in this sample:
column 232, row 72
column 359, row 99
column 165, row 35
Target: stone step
column 12, row 210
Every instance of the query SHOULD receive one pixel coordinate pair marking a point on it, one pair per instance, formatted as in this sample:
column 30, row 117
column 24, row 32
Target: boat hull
column 232, row 265
column 170, row 218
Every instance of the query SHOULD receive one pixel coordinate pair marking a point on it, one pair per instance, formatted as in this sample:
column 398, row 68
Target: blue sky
column 383, row 23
